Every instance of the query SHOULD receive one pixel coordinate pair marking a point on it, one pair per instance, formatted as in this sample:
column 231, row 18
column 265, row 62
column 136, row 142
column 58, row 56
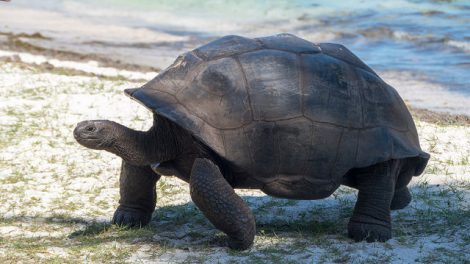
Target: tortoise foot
column 401, row 199
column 368, row 232
column 129, row 217
column 238, row 244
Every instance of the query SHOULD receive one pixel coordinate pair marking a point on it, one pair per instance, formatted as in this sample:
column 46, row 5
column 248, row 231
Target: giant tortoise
column 280, row 114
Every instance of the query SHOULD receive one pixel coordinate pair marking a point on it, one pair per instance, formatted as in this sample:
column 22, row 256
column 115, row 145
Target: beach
column 59, row 67
column 421, row 47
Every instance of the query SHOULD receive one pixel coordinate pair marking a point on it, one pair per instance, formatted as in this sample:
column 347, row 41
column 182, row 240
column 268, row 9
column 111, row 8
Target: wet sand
column 23, row 42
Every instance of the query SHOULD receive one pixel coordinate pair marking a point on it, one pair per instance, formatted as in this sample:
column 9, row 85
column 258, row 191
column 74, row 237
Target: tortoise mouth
column 88, row 141
column 84, row 136
column 93, row 142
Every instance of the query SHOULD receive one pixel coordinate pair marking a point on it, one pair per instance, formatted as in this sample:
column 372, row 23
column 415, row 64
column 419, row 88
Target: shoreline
column 18, row 42
column 438, row 117
column 428, row 70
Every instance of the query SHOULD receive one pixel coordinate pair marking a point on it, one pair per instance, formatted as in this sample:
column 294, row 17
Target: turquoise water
column 430, row 37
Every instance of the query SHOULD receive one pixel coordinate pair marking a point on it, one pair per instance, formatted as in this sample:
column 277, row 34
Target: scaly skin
column 402, row 196
column 138, row 196
column 217, row 200
column 371, row 220
column 401, row 199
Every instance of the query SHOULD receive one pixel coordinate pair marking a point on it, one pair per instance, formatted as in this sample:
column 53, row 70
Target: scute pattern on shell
column 287, row 110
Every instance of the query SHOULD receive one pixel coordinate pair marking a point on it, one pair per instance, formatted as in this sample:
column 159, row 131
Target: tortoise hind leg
column 401, row 199
column 371, row 219
column 402, row 196
column 217, row 200
column 138, row 196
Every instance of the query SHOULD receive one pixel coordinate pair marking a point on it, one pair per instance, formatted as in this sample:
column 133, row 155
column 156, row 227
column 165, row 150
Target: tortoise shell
column 285, row 110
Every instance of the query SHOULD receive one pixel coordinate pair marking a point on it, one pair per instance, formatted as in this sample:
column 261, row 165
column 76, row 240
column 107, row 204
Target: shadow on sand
column 183, row 226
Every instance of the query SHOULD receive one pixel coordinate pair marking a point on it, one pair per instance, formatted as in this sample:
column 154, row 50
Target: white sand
column 420, row 92
column 45, row 174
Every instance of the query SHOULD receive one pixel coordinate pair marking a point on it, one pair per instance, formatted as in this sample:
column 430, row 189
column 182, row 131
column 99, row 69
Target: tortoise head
column 97, row 134
column 135, row 147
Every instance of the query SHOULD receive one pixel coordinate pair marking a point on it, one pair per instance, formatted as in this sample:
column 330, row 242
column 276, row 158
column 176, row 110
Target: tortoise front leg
column 217, row 200
column 371, row 220
column 138, row 195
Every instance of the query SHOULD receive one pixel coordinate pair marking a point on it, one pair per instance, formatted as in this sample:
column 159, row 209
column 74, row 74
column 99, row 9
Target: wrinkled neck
column 141, row 148
column 168, row 140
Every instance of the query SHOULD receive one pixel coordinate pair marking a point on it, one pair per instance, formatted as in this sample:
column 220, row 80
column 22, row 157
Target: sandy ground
column 57, row 197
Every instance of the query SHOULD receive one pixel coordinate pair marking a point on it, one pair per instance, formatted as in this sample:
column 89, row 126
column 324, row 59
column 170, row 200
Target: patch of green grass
column 433, row 169
column 312, row 230
column 179, row 215
column 267, row 206
column 96, row 242
column 443, row 207
column 432, row 143
column 14, row 177
column 25, row 126
column 445, row 255
column 464, row 160
column 36, row 93
column 166, row 190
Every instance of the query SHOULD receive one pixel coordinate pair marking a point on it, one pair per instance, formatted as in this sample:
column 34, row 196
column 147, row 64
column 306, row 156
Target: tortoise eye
column 90, row 128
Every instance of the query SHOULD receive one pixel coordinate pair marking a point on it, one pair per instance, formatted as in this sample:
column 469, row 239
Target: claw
column 368, row 232
column 130, row 218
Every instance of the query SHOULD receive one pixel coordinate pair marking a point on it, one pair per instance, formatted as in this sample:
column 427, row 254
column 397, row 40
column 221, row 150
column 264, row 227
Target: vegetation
column 57, row 198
